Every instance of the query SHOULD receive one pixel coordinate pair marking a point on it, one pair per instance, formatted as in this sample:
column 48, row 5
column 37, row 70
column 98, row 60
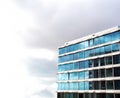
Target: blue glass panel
column 108, row 38
column 102, row 39
column 86, row 74
column 81, row 86
column 96, row 41
column 115, row 47
column 81, row 54
column 62, row 50
column 86, row 85
column 82, row 64
column 101, row 50
column 96, row 50
column 71, row 85
column 70, row 48
column 74, row 76
column 86, row 63
column 91, row 43
column 116, row 36
column 81, row 75
column 92, row 52
column 82, row 45
column 75, row 86
column 76, row 56
column 69, row 57
column 86, row 53
column 59, row 86
column 75, row 47
column 66, row 86
column 86, row 44
column 71, row 66
column 76, row 65
column 108, row 49
column 62, row 86
column 63, row 76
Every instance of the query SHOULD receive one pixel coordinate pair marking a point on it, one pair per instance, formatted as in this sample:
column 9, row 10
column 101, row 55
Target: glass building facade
column 90, row 67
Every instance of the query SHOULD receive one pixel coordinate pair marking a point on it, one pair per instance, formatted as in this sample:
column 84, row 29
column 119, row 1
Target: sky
column 31, row 32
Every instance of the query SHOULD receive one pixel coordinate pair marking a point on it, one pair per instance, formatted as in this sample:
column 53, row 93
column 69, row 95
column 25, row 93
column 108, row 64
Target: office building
column 89, row 67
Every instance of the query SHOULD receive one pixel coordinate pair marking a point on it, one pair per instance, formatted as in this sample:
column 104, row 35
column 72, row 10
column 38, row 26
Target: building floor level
column 88, row 95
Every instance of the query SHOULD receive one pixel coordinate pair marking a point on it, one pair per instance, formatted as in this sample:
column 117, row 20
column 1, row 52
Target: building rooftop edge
column 100, row 33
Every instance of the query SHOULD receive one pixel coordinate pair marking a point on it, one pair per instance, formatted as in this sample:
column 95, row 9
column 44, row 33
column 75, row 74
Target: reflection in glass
column 115, row 47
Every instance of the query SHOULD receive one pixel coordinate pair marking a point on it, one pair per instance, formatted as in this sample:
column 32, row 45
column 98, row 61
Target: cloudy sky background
column 32, row 30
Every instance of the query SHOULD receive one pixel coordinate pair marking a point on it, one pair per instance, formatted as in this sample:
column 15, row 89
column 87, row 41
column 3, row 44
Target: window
column 86, row 85
column 102, row 85
column 81, row 85
column 102, row 61
column 108, row 49
column 91, row 74
column 92, row 52
column 86, row 63
column 71, row 85
column 102, row 39
column 74, row 76
column 96, row 51
column 86, row 53
column 96, row 85
column 82, row 45
column 90, row 63
column 62, row 50
column 96, row 41
column 91, row 43
column 66, row 86
column 82, row 64
column 71, row 66
column 86, row 74
column 108, row 60
column 86, row 44
column 116, row 36
column 109, row 95
column 71, row 95
column 96, row 62
column 117, row 71
column 76, row 56
column 117, row 95
column 109, row 73
column 95, row 73
column 69, row 57
column 76, row 65
column 70, row 48
column 102, row 73
column 81, row 75
column 117, row 84
column 116, row 59
column 75, row 47
column 81, row 54
column 115, row 47
column 109, row 84
column 108, row 38
column 101, row 50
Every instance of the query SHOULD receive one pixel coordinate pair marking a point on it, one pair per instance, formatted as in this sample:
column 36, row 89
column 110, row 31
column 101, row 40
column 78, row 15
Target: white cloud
column 15, row 82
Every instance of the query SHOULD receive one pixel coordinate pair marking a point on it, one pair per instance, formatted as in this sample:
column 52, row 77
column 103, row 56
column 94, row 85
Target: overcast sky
column 32, row 30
